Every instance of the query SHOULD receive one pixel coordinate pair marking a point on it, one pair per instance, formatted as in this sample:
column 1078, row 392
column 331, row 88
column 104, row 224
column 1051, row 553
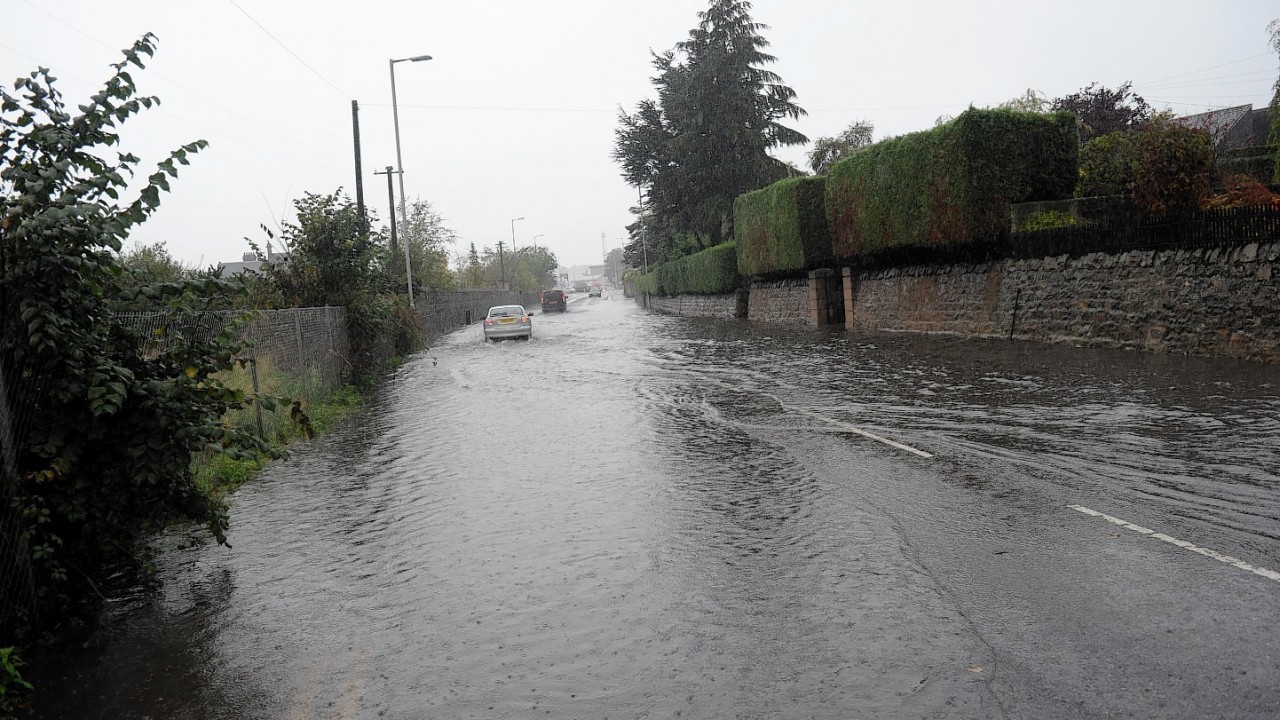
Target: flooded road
column 638, row 516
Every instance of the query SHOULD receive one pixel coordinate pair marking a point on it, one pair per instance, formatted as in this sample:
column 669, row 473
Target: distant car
column 554, row 300
column 508, row 321
column 594, row 291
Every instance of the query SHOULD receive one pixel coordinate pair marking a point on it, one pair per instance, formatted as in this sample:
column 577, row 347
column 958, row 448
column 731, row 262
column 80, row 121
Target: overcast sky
column 515, row 116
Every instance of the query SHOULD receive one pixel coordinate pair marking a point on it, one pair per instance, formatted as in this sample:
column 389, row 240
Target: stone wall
column 1221, row 301
column 961, row 299
column 1205, row 301
column 780, row 301
column 713, row 306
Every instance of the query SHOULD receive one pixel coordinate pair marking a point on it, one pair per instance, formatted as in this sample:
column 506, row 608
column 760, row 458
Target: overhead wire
column 512, row 108
column 1250, row 73
column 1196, row 72
column 295, row 55
column 282, row 135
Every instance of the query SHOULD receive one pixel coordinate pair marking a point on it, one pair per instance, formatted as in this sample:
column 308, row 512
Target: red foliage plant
column 1242, row 191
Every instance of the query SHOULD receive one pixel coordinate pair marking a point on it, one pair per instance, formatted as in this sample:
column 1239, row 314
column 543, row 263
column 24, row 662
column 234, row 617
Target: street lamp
column 513, row 251
column 395, row 114
column 535, row 242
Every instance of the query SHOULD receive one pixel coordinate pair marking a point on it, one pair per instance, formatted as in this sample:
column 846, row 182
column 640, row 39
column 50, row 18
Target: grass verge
column 218, row 475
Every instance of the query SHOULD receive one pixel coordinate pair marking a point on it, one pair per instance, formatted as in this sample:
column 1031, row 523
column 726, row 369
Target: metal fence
column 301, row 353
column 1223, row 226
column 18, row 598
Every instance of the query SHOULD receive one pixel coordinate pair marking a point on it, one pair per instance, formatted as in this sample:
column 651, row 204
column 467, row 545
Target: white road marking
column 1264, row 572
column 844, row 426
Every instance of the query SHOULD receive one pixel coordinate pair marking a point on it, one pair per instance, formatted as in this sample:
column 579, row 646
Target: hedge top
column 950, row 185
column 782, row 228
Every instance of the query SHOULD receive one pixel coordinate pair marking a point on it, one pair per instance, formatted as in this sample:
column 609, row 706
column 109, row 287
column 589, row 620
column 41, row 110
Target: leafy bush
column 1172, row 172
column 13, row 688
column 688, row 243
column 713, row 271
column 1107, row 165
column 106, row 456
column 953, row 184
column 334, row 260
column 782, row 227
column 1242, row 191
column 1048, row 219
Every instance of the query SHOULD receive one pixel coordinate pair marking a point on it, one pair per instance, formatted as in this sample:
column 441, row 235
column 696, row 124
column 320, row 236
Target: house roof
column 1218, row 123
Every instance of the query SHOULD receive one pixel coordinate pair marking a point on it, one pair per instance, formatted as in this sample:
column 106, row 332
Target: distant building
column 250, row 263
column 1234, row 127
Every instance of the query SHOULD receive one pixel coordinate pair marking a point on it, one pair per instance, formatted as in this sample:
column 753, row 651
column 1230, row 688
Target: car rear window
column 552, row 295
column 506, row 311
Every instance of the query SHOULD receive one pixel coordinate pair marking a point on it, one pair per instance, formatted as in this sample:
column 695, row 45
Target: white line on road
column 1268, row 574
column 844, row 426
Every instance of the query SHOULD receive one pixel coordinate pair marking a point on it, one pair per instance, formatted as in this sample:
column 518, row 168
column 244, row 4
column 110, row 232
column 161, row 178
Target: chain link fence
column 18, row 598
column 299, row 353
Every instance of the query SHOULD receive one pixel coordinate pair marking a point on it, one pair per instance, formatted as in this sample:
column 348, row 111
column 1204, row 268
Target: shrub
column 1172, row 172
column 1107, row 165
column 105, row 458
column 1242, row 191
column 782, row 227
column 1048, row 219
column 953, row 184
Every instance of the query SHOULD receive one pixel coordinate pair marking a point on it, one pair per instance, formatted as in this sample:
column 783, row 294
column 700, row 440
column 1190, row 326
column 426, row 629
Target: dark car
column 554, row 300
column 595, row 291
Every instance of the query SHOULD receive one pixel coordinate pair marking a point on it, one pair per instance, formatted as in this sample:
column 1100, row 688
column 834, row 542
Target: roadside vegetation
column 944, row 194
column 110, row 430
column 99, row 436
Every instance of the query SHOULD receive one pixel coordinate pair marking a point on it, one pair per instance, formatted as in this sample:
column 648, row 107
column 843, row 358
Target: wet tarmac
column 639, row 516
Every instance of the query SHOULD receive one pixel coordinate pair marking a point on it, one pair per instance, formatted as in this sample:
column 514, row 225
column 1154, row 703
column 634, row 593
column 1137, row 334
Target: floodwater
column 638, row 516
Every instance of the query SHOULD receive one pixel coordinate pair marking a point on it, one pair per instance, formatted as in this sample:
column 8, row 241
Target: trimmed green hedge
column 713, row 271
column 782, row 227
column 1258, row 162
column 950, row 185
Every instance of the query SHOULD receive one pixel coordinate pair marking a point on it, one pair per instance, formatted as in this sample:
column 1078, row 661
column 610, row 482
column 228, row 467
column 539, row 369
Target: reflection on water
column 591, row 524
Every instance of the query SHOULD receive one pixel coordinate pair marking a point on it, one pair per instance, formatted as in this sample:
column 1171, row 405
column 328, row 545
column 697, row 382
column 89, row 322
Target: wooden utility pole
column 355, row 130
column 502, row 266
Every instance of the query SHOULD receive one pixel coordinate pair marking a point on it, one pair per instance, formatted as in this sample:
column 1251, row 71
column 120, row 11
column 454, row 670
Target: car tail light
column 524, row 319
column 488, row 321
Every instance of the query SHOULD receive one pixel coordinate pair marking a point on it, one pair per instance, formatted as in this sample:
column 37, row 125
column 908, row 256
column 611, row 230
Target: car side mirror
column 530, row 314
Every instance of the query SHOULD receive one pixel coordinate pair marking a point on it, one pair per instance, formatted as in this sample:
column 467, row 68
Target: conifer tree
column 707, row 138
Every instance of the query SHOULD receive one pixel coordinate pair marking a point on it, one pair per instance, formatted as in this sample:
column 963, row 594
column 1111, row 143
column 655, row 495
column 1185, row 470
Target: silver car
column 508, row 321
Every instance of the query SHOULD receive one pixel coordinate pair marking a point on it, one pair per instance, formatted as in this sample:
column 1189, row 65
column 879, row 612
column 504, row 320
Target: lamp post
column 516, row 257
column 395, row 114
